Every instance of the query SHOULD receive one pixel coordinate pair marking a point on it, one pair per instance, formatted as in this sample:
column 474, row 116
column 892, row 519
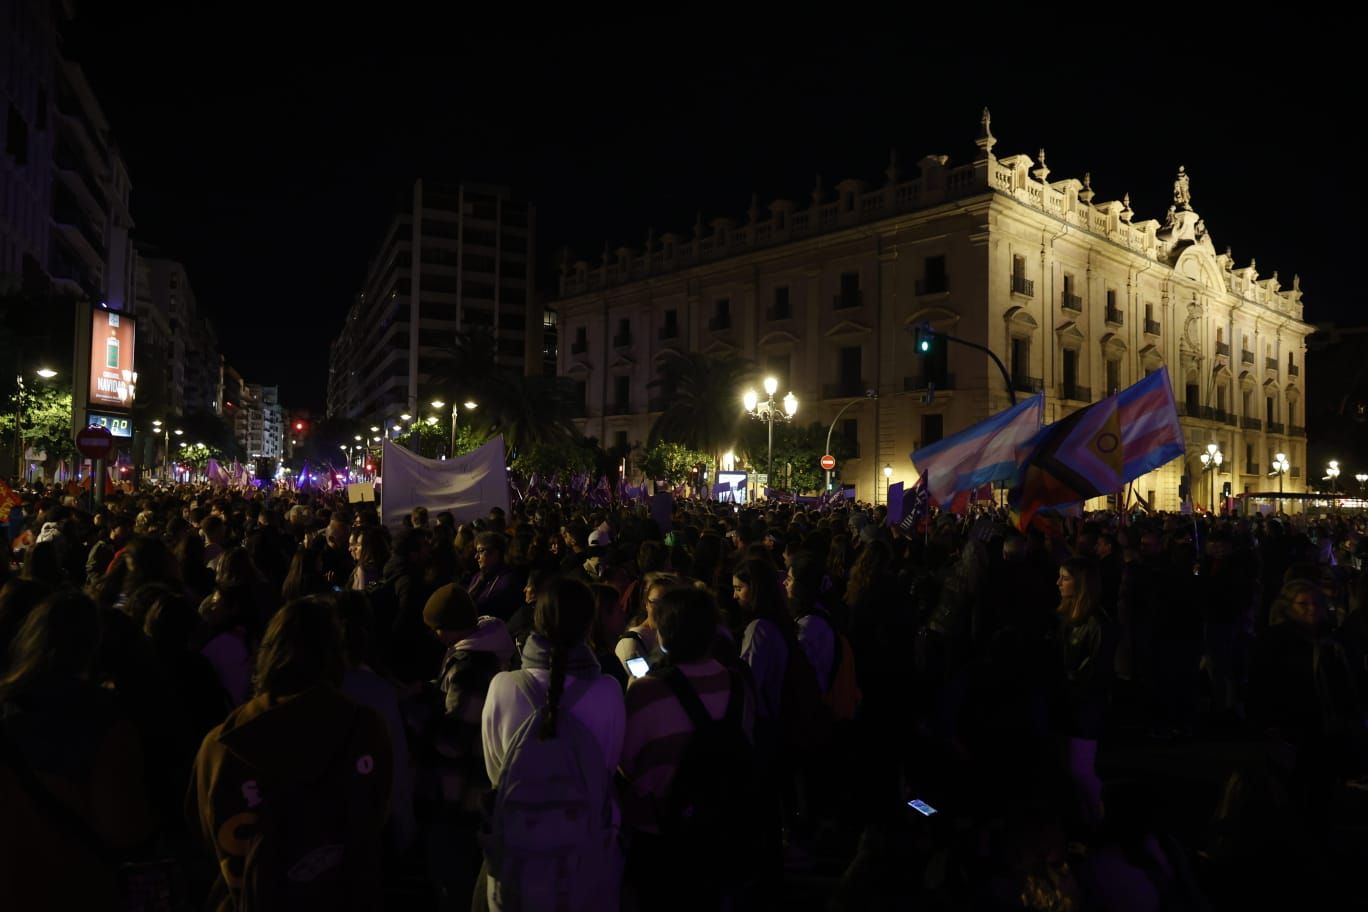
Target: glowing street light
column 1211, row 462
column 768, row 411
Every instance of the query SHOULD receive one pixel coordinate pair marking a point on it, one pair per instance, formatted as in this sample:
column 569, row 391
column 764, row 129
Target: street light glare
column 438, row 403
column 470, row 405
column 749, row 400
column 790, row 405
column 405, row 416
column 771, row 386
column 374, row 429
column 46, row 373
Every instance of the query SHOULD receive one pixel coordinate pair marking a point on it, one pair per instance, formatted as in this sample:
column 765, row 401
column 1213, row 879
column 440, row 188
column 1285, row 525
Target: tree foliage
column 47, row 422
column 702, row 399
column 670, row 462
column 554, row 461
column 798, row 451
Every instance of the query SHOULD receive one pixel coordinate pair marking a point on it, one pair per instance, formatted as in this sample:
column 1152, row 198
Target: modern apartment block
column 185, row 343
column 28, row 79
column 257, row 419
column 1077, row 296
column 458, row 256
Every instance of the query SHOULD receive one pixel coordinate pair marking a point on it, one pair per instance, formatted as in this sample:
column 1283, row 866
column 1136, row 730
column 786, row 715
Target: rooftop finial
column 1086, row 194
column 1127, row 213
column 1182, row 199
column 1043, row 171
column 986, row 140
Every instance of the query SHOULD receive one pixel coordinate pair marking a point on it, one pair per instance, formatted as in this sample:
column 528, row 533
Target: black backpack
column 310, row 838
column 712, row 815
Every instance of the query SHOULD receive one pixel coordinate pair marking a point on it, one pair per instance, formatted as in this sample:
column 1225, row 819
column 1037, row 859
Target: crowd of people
column 246, row 700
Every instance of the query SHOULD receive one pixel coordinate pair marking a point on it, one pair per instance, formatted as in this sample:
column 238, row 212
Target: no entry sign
column 95, row 442
column 828, row 462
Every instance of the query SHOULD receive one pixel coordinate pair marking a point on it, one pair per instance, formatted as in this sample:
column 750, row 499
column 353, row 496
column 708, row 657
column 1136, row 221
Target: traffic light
column 925, row 340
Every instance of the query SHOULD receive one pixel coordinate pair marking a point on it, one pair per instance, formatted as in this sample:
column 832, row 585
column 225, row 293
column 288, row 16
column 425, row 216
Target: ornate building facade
column 1076, row 296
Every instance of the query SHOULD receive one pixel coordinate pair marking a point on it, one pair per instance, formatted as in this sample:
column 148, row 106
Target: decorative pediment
column 1271, row 385
column 848, row 328
column 1019, row 317
column 718, row 347
column 579, row 368
column 621, row 362
column 1150, row 356
column 939, row 317
column 1113, row 346
column 778, row 337
column 1069, row 335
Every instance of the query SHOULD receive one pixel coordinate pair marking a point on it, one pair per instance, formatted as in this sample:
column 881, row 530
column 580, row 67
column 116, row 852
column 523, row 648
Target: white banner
column 468, row 486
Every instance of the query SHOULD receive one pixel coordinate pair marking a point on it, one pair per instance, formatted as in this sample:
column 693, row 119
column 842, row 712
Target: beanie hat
column 450, row 608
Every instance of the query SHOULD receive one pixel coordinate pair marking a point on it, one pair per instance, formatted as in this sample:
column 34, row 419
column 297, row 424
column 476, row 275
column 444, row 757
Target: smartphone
column 638, row 666
column 921, row 807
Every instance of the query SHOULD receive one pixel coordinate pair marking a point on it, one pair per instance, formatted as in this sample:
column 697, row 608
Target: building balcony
column 622, row 340
column 1023, row 286
column 1067, row 301
column 666, row 333
column 844, row 389
column 1230, row 418
column 719, row 323
column 1023, row 384
column 1296, row 431
column 775, row 314
column 1114, row 316
column 924, row 381
column 847, row 300
column 1075, row 392
column 940, row 285
column 1246, row 357
column 578, row 348
column 1251, row 424
column 1251, row 468
column 1271, row 364
column 1223, row 348
column 1293, row 370
column 1275, row 427
column 1152, row 327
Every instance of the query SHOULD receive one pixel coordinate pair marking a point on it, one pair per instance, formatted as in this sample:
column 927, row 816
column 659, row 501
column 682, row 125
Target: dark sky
column 267, row 152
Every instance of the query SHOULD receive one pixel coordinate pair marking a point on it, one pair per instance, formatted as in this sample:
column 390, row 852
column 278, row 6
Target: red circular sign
column 95, row 442
column 828, row 462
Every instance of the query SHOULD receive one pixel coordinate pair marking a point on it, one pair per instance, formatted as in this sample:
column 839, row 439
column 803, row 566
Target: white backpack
column 550, row 842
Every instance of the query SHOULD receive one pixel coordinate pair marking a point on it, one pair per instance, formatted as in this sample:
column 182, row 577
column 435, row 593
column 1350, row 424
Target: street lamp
column 1280, row 467
column 888, row 480
column 769, row 412
column 468, row 405
column 1362, row 479
column 1332, row 474
column 1211, row 462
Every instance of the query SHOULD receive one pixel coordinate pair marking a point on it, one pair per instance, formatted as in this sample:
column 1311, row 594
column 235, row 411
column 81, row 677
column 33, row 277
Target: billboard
column 112, row 377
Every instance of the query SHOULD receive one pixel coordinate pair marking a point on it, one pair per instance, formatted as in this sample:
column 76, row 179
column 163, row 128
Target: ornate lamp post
column 888, row 480
column 1332, row 474
column 1279, row 468
column 1211, row 462
column 769, row 412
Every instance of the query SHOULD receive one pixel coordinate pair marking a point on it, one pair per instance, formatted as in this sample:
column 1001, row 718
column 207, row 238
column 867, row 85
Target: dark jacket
column 497, row 592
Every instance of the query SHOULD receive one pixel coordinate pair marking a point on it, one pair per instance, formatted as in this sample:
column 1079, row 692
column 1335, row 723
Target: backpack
column 844, row 696
column 804, row 718
column 550, row 838
column 309, row 838
column 711, row 816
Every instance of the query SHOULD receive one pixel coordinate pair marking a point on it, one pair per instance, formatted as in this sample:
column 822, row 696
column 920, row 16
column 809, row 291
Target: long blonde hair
column 1083, row 603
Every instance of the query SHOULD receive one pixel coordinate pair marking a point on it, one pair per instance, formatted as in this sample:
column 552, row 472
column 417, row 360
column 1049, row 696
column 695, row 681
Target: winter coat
column 467, row 670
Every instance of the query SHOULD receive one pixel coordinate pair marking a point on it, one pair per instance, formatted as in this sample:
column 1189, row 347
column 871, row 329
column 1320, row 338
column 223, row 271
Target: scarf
column 579, row 661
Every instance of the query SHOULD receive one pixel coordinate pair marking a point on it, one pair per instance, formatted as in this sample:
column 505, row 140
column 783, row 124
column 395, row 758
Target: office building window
column 932, row 429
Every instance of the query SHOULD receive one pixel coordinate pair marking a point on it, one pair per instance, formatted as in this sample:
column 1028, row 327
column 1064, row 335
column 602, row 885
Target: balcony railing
column 622, row 340
column 1231, row 419
column 1247, row 357
column 1251, row 424
column 1152, row 327
column 1069, row 301
column 1075, row 392
column 775, row 314
column 1296, row 471
column 844, row 389
column 1222, row 416
column 1023, row 286
column 923, row 381
column 939, row 285
column 1251, row 468
column 1275, row 427
column 1023, row 384
column 1223, row 348
column 1115, row 317
column 719, row 323
column 1296, row 431
column 578, row 348
column 1293, row 370
column 1271, row 363
column 847, row 299
column 667, row 332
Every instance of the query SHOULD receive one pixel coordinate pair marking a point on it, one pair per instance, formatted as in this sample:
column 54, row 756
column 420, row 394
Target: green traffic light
column 925, row 345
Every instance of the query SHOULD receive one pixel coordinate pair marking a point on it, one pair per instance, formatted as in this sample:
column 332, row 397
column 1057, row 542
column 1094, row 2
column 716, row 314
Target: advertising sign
column 118, row 425
column 112, row 378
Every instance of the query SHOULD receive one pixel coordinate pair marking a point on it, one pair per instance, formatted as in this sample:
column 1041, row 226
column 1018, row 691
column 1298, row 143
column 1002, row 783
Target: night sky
column 267, row 153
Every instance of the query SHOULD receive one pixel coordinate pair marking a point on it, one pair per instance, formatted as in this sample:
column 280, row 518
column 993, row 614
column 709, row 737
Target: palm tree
column 704, row 394
column 527, row 411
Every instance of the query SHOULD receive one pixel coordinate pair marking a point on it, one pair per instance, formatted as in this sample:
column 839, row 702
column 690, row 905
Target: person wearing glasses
column 495, row 587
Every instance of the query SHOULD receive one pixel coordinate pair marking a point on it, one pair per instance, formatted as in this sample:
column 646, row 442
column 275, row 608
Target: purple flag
column 895, row 503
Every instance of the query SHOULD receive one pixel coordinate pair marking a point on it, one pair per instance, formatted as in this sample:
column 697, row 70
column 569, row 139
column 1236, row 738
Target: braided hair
column 564, row 615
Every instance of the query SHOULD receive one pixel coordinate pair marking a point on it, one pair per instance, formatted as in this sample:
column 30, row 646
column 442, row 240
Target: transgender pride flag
column 1150, row 433
column 980, row 454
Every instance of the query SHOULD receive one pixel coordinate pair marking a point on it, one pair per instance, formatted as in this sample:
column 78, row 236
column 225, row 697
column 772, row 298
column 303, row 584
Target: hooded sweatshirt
column 467, row 668
column 266, row 747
